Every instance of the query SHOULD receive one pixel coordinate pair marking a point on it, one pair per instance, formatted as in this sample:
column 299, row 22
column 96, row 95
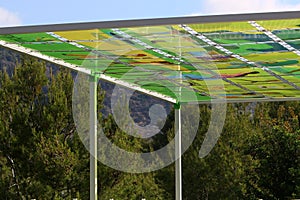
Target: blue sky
column 34, row 12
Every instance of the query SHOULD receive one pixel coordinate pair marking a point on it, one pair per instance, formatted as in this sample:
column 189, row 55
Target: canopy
column 237, row 58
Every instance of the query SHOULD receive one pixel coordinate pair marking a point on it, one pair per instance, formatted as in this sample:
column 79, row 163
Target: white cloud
column 246, row 6
column 8, row 18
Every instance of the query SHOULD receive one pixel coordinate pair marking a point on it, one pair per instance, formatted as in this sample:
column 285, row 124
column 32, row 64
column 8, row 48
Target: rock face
column 8, row 60
column 139, row 104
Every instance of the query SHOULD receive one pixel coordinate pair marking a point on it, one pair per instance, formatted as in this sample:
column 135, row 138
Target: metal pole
column 178, row 168
column 93, row 137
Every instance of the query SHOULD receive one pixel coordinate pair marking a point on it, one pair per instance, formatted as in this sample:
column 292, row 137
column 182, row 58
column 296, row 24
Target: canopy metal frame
column 94, row 78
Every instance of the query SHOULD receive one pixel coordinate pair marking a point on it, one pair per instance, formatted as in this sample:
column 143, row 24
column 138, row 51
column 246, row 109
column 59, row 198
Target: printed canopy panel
column 199, row 62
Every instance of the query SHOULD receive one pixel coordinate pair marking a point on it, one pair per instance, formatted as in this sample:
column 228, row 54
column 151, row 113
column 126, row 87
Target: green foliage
column 41, row 155
column 221, row 174
column 36, row 127
column 257, row 155
column 275, row 147
column 133, row 186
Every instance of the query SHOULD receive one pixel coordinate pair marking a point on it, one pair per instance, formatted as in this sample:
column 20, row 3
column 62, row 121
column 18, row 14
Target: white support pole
column 178, row 152
column 178, row 167
column 93, row 137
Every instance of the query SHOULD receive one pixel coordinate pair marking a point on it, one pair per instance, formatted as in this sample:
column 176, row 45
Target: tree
column 221, row 174
column 276, row 148
column 37, row 133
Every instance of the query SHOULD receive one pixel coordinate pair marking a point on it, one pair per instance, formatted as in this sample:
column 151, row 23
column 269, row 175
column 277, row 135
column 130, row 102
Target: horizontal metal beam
column 249, row 100
column 150, row 22
column 39, row 55
column 137, row 88
column 59, row 62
